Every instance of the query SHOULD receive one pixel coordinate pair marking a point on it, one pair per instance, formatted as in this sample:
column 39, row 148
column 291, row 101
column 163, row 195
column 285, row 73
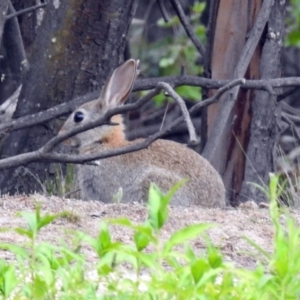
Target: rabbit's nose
column 69, row 142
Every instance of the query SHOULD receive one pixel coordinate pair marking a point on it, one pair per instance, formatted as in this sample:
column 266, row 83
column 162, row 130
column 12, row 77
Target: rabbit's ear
column 119, row 85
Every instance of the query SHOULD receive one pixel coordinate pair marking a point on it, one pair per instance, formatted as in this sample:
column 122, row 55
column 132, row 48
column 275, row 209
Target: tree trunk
column 3, row 10
column 78, row 45
column 264, row 131
column 230, row 23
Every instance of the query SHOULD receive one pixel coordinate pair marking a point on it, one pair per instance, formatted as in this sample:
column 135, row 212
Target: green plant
column 293, row 24
column 62, row 183
column 149, row 268
column 173, row 52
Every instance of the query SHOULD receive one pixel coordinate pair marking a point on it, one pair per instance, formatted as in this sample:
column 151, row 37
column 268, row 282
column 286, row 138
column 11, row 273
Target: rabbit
column 163, row 162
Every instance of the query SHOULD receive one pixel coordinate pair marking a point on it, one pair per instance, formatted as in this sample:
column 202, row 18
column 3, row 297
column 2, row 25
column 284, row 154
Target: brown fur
column 163, row 162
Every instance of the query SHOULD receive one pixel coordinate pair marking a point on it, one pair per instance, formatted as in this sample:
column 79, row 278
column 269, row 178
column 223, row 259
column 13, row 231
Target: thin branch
column 185, row 113
column 290, row 122
column 43, row 154
column 143, row 84
column 289, row 109
column 144, row 132
column 162, row 8
column 25, row 10
column 287, row 93
column 187, row 27
column 49, row 114
column 208, row 83
column 293, row 118
column 100, row 121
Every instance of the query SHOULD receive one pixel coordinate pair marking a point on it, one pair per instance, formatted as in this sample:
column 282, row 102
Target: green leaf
column 17, row 250
column 190, row 92
column 185, row 234
column 154, row 205
column 198, row 268
column 31, row 220
column 104, row 237
column 25, row 232
column 8, row 278
column 141, row 241
column 199, row 7
column 257, row 247
column 214, row 257
column 40, row 287
column 45, row 220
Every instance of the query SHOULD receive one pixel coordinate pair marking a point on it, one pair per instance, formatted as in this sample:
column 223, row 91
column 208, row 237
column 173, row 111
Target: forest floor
column 232, row 224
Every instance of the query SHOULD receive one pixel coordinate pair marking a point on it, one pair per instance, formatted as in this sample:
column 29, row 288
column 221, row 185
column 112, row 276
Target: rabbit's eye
column 78, row 117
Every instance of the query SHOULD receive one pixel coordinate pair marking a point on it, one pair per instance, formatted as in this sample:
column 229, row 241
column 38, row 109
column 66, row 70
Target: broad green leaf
column 185, row 234
column 215, row 258
column 141, row 241
column 198, row 268
column 17, row 250
column 8, row 278
column 30, row 219
column 45, row 220
column 25, row 232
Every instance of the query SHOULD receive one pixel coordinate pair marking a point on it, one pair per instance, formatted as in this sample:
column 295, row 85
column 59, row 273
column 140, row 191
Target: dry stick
column 289, row 109
column 187, row 27
column 25, row 10
column 100, row 121
column 290, row 122
column 143, row 84
column 287, row 93
column 208, row 83
column 221, row 126
column 185, row 113
column 42, row 154
column 162, row 8
column 292, row 117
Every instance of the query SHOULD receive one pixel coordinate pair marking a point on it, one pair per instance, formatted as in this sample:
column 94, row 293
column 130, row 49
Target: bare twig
column 185, row 113
column 289, row 109
column 143, row 84
column 292, row 117
column 187, row 27
column 259, row 84
column 43, row 154
column 162, row 8
column 25, row 10
column 144, row 132
column 100, row 121
column 287, row 93
column 288, row 120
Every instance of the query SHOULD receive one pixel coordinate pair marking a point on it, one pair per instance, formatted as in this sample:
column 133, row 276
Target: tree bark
column 3, row 10
column 78, row 45
column 230, row 22
column 264, row 131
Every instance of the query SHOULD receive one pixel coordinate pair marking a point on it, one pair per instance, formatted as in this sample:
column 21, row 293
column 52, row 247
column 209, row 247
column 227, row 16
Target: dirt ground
column 233, row 224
